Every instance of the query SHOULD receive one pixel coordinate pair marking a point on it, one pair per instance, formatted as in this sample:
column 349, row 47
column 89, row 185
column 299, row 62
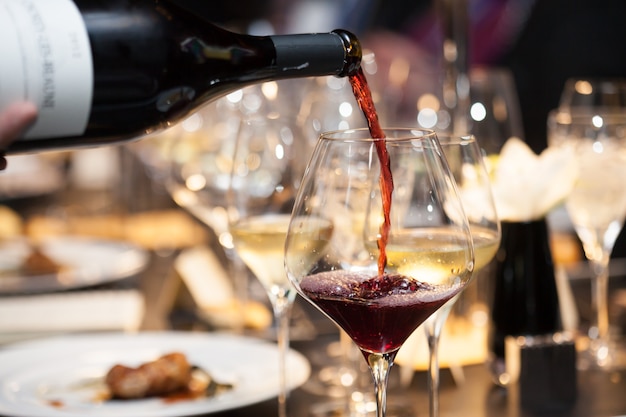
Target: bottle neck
column 304, row 55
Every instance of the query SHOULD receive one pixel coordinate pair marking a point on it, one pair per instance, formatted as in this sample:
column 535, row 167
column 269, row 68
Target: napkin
column 527, row 186
column 27, row 316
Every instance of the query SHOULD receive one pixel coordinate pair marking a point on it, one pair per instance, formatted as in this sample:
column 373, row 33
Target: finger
column 15, row 120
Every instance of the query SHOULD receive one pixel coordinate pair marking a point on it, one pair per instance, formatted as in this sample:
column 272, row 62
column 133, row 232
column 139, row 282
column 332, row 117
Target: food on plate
column 167, row 374
column 170, row 376
column 38, row 263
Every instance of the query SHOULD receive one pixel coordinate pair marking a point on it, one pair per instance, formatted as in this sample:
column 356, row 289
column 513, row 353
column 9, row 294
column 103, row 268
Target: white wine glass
column 268, row 165
column 198, row 154
column 415, row 250
column 466, row 161
column 597, row 208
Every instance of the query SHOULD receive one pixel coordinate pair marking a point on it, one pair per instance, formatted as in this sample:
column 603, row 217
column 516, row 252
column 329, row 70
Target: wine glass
column 329, row 105
column 494, row 113
column 198, row 157
column 199, row 154
column 597, row 207
column 268, row 164
column 465, row 158
column 415, row 250
column 599, row 92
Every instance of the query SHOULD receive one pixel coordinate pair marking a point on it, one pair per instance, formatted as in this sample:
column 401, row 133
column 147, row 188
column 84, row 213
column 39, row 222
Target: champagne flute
column 268, row 164
column 597, row 208
column 415, row 248
column 465, row 158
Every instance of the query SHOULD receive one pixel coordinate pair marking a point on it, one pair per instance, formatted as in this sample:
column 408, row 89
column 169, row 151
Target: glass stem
column 282, row 313
column 600, row 289
column 238, row 270
column 433, row 327
column 380, row 363
column 433, row 375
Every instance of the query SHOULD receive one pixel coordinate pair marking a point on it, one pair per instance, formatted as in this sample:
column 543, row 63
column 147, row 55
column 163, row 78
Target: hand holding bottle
column 14, row 120
column 95, row 83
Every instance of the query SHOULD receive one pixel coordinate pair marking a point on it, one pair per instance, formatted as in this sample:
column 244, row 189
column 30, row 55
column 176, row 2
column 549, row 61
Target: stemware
column 597, row 207
column 380, row 275
column 595, row 92
column 199, row 153
column 494, row 113
column 268, row 164
column 465, row 158
column 198, row 158
column 329, row 105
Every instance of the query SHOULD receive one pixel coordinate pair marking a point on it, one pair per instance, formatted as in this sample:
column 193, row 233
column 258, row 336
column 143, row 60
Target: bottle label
column 46, row 59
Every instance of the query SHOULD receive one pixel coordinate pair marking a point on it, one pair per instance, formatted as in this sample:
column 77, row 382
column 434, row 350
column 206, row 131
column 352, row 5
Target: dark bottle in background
column 108, row 71
column 525, row 300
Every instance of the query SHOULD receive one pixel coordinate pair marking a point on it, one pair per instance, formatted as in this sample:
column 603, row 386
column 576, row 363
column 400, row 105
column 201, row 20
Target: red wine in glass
column 378, row 313
column 378, row 304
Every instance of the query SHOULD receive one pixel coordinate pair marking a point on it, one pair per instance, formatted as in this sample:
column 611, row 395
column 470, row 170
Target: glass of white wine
column 465, row 158
column 597, row 208
column 268, row 165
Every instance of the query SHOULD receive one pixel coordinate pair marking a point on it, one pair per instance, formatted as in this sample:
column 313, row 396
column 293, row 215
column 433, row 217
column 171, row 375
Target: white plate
column 33, row 375
column 89, row 262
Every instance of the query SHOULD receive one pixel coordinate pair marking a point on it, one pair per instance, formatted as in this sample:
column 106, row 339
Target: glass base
column 598, row 355
column 360, row 406
column 331, row 381
column 345, row 408
column 497, row 369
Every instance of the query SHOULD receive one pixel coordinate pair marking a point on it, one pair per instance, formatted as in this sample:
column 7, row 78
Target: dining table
column 168, row 304
column 599, row 393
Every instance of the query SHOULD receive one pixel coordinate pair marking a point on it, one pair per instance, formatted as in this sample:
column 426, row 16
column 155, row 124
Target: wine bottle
column 102, row 72
column 525, row 299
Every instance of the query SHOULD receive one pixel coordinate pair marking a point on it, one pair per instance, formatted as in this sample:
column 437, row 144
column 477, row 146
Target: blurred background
column 541, row 42
column 423, row 59
column 165, row 195
column 508, row 59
